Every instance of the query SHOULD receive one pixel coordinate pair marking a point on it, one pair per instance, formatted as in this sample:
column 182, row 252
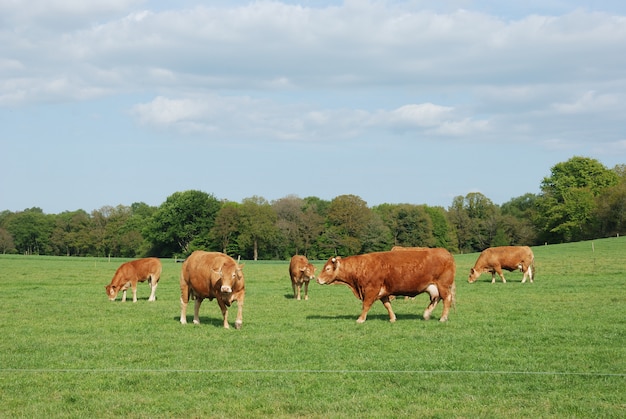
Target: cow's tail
column 453, row 294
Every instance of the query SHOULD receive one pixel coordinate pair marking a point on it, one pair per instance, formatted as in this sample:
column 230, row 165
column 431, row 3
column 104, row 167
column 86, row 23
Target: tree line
column 581, row 199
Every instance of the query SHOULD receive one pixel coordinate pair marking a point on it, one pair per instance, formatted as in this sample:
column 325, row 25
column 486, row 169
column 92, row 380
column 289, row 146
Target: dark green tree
column 226, row 228
column 347, row 223
column 610, row 212
column 31, row 230
column 182, row 223
column 6, row 242
column 71, row 234
column 568, row 199
column 258, row 231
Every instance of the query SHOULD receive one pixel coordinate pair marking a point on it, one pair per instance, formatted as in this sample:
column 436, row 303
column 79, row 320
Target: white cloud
column 299, row 72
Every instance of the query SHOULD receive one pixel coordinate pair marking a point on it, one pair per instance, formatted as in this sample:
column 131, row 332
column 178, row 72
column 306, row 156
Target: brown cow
column 301, row 272
column 129, row 273
column 212, row 275
column 494, row 259
column 380, row 275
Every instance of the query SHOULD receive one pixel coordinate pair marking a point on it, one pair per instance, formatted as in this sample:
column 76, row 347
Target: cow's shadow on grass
column 207, row 321
column 376, row 317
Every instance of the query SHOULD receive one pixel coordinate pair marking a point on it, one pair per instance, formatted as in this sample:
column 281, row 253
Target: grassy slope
column 553, row 348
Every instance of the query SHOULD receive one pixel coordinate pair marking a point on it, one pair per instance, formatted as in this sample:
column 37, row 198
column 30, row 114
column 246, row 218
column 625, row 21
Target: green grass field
column 555, row 348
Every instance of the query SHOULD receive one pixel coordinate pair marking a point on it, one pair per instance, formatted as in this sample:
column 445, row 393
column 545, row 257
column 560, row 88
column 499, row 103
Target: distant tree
column 610, row 212
column 376, row 237
column 347, row 221
column 476, row 221
column 314, row 220
column 226, row 228
column 443, row 232
column 31, row 230
column 182, row 223
column 409, row 225
column 71, row 234
column 460, row 221
column 290, row 219
column 518, row 219
column 6, row 242
column 568, row 199
column 258, row 227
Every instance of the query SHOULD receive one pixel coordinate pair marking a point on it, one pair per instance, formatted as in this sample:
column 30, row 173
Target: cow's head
column 230, row 280
column 473, row 275
column 329, row 271
column 308, row 271
column 112, row 291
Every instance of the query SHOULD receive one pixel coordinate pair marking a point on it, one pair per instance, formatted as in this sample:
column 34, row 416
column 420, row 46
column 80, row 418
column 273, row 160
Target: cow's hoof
column 238, row 325
column 443, row 319
column 196, row 322
column 360, row 321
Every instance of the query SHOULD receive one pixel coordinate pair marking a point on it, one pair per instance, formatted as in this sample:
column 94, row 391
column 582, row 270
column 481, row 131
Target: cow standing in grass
column 130, row 273
column 511, row 258
column 380, row 275
column 212, row 275
column 301, row 272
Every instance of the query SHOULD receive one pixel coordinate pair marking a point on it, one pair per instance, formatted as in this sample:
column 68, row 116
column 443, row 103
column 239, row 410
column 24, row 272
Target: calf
column 212, row 275
column 301, row 272
column 494, row 259
column 130, row 273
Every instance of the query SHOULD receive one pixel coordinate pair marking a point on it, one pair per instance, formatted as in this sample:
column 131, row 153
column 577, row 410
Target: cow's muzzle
column 226, row 289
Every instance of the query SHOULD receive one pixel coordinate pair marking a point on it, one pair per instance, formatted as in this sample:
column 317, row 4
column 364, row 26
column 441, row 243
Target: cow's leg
column 224, row 312
column 124, row 295
column 501, row 274
column 446, row 296
column 528, row 273
column 134, row 287
column 183, row 311
column 387, row 304
column 306, row 290
column 367, row 304
column 298, row 288
column 239, row 320
column 153, row 287
column 433, row 291
column 196, row 310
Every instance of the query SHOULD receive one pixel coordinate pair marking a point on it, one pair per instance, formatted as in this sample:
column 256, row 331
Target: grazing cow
column 129, row 273
column 396, row 248
column 380, row 275
column 212, row 275
column 494, row 259
column 301, row 272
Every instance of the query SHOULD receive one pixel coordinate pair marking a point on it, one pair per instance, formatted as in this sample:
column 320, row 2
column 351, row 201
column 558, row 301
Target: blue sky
column 111, row 102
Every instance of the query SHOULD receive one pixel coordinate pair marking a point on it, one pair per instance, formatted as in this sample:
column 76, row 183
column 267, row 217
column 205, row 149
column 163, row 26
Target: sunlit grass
column 550, row 349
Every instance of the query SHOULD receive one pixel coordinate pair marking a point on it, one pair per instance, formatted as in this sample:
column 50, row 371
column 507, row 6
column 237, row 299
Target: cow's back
column 503, row 255
column 297, row 263
column 403, row 271
column 197, row 270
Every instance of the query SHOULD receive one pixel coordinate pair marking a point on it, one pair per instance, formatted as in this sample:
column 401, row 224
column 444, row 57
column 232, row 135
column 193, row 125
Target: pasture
column 555, row 348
